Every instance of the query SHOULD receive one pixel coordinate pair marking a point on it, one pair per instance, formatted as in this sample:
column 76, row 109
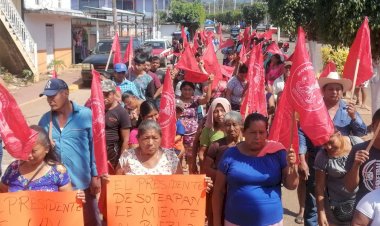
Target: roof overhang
column 108, row 11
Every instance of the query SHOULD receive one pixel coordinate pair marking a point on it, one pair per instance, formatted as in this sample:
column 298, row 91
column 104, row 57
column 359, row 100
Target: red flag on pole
column 195, row 43
column 212, row 65
column 167, row 117
column 128, row 55
column 243, row 54
column 274, row 49
column 18, row 138
column 54, row 74
column 330, row 67
column 116, row 50
column 184, row 37
column 227, row 70
column 228, row 43
column 305, row 95
column 98, row 124
column 255, row 100
column 284, row 128
column 358, row 66
column 189, row 64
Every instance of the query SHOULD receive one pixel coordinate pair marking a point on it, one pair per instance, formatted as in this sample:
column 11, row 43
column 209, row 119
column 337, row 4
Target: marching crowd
column 336, row 182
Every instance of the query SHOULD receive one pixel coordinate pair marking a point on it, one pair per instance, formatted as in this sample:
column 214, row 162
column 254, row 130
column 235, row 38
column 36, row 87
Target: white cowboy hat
column 333, row 77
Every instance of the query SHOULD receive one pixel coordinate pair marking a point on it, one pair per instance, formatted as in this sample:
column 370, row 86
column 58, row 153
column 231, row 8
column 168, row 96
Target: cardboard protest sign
column 33, row 208
column 164, row 200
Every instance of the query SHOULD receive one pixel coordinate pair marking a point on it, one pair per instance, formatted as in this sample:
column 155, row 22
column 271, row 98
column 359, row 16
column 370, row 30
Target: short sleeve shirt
column 369, row 205
column 335, row 171
column 209, row 135
column 55, row 178
column 167, row 165
column 369, row 171
column 180, row 129
column 237, row 88
column 253, row 180
column 117, row 119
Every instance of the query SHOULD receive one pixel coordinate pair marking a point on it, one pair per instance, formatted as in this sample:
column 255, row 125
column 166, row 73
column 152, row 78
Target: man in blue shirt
column 70, row 130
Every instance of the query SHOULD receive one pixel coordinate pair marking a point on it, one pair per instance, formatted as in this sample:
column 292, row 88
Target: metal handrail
column 13, row 17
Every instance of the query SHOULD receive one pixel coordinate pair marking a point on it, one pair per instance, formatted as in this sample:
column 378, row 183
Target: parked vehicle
column 158, row 46
column 99, row 56
column 261, row 28
column 235, row 31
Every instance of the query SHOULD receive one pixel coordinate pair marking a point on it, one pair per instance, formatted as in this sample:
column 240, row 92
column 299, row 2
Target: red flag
column 243, row 54
column 212, row 65
column 305, row 95
column 227, row 70
column 246, row 35
column 284, row 128
column 195, row 43
column 98, row 124
column 167, row 117
column 128, row 55
column 228, row 43
column 268, row 35
column 18, row 138
column 184, row 37
column 274, row 49
column 255, row 100
column 330, row 66
column 116, row 49
column 54, row 74
column 188, row 63
column 360, row 51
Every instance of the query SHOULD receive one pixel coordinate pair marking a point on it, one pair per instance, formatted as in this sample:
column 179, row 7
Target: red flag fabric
column 274, row 49
column 116, row 50
column 54, row 74
column 167, row 117
column 227, row 70
column 243, row 54
column 98, row 124
column 195, row 43
column 246, row 35
column 284, row 128
column 228, row 43
column 18, row 138
column 305, row 96
column 330, row 67
column 128, row 55
column 188, row 63
column 255, row 100
column 212, row 65
column 184, row 37
column 360, row 50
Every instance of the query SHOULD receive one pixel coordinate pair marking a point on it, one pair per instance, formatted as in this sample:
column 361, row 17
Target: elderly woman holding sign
column 41, row 172
column 249, row 178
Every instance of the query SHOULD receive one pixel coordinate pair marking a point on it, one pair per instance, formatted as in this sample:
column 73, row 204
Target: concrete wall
column 36, row 24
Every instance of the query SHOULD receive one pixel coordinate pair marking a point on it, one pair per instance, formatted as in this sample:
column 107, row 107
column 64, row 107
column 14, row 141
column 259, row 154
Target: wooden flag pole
column 109, row 59
column 355, row 78
column 373, row 139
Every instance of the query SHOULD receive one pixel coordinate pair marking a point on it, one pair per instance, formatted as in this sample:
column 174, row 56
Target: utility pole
column 222, row 6
column 251, row 2
column 214, row 7
column 209, row 8
column 114, row 13
column 154, row 19
column 234, row 5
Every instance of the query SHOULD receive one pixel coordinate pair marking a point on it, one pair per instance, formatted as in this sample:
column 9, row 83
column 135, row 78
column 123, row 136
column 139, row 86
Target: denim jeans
column 91, row 214
column 306, row 147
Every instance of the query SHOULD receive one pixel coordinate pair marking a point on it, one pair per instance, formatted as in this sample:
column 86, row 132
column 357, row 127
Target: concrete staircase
column 17, row 47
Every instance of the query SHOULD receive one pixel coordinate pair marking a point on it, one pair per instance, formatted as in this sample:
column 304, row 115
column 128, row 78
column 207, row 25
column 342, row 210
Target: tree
column 255, row 13
column 190, row 14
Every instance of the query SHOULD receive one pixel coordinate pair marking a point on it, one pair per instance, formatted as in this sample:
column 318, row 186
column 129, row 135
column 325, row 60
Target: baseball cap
column 179, row 104
column 108, row 86
column 53, row 86
column 120, row 67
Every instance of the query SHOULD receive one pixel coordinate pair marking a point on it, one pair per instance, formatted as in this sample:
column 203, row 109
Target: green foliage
column 255, row 12
column 338, row 55
column 229, row 17
column 57, row 65
column 186, row 13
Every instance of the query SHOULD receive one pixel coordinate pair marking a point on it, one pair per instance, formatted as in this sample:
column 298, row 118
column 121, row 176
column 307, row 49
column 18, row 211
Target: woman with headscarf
column 213, row 129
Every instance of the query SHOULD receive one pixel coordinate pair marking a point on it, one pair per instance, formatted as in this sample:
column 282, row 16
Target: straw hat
column 333, row 77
